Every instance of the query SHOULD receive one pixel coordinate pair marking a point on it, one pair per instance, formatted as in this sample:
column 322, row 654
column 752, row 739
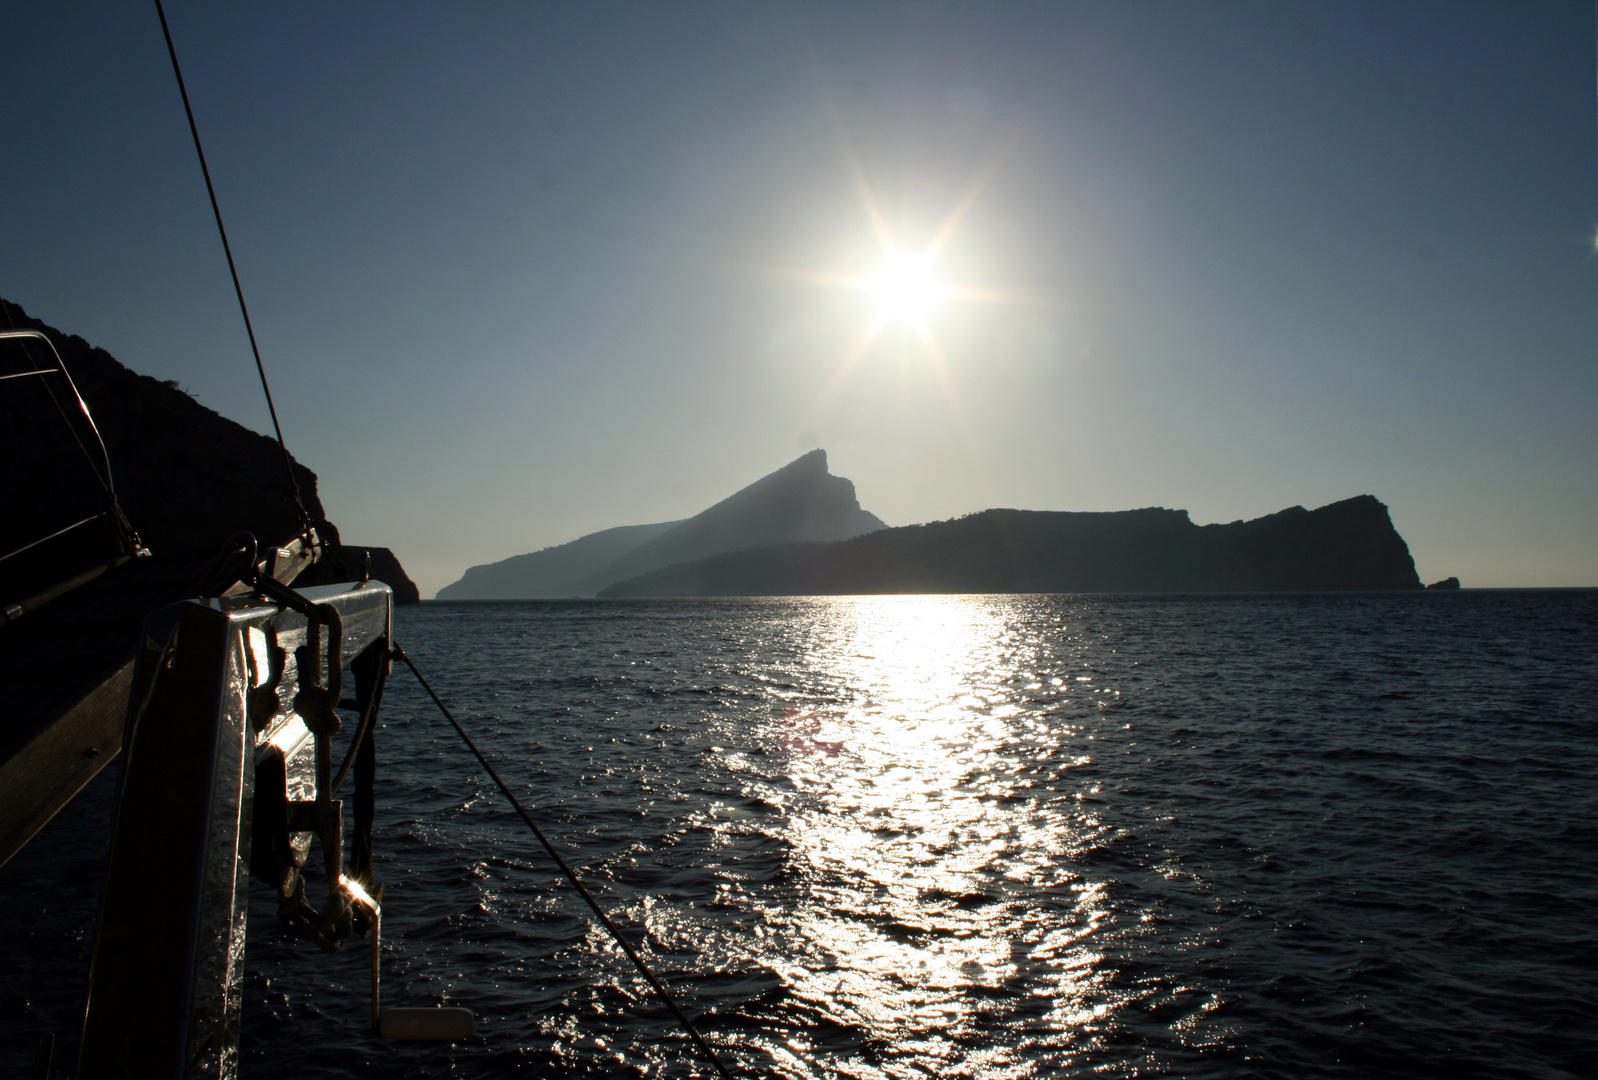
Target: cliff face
column 799, row 502
column 1346, row 545
column 188, row 478
column 572, row 569
column 385, row 567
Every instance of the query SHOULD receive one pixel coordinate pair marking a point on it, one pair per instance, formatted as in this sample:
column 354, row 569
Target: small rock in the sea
column 1446, row 583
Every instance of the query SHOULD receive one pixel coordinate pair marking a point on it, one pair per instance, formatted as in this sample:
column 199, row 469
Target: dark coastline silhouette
column 1348, row 545
column 799, row 502
column 187, row 477
column 576, row 568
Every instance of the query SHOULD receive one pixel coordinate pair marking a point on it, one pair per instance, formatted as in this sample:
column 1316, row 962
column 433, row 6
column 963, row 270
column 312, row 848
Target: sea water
column 987, row 836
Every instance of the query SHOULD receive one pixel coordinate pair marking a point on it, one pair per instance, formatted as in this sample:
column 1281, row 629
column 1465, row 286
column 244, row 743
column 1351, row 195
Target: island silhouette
column 1348, row 545
column 801, row 531
column 189, row 478
column 802, row 501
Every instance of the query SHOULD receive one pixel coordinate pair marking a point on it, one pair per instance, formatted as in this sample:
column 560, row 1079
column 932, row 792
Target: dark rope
column 571, row 875
column 368, row 718
column 260, row 369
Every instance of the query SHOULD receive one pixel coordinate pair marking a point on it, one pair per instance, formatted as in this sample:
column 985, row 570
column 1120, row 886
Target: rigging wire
column 571, row 875
column 288, row 462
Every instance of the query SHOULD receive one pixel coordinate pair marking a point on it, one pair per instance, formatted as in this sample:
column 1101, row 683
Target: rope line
column 571, row 875
column 227, row 249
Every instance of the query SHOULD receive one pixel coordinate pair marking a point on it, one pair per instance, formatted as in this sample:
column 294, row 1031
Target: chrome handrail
column 60, row 365
column 59, row 532
column 128, row 542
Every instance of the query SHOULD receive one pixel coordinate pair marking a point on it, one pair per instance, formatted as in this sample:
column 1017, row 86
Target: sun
column 906, row 288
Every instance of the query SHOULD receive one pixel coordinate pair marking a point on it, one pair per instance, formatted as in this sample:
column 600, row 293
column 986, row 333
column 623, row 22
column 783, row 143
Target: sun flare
column 906, row 288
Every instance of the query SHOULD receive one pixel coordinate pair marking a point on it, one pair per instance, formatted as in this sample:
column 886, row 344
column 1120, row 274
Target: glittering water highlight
column 977, row 836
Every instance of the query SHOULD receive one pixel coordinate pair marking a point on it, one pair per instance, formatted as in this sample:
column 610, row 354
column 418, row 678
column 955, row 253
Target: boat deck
column 65, row 672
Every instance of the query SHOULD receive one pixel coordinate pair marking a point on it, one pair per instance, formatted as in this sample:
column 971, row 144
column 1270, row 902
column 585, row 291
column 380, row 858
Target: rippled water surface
column 1019, row 836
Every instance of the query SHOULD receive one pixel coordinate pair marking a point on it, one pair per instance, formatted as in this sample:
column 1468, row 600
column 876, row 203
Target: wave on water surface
column 987, row 836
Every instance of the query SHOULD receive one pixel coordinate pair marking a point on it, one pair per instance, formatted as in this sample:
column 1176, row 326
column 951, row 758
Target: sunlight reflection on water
column 1023, row 836
column 916, row 835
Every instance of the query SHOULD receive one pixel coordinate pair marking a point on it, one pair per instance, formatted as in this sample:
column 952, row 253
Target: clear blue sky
column 523, row 271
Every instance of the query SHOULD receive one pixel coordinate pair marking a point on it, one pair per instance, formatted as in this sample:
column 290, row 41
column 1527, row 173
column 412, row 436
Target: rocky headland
column 800, row 502
column 1348, row 545
column 187, row 477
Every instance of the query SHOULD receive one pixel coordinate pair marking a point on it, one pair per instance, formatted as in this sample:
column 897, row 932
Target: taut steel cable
column 227, row 249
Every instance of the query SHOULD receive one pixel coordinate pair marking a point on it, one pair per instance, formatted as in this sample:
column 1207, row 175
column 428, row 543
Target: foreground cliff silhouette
column 1348, row 545
column 801, row 501
column 187, row 477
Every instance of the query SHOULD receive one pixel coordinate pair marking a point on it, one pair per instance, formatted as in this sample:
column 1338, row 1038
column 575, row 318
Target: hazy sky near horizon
column 524, row 271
